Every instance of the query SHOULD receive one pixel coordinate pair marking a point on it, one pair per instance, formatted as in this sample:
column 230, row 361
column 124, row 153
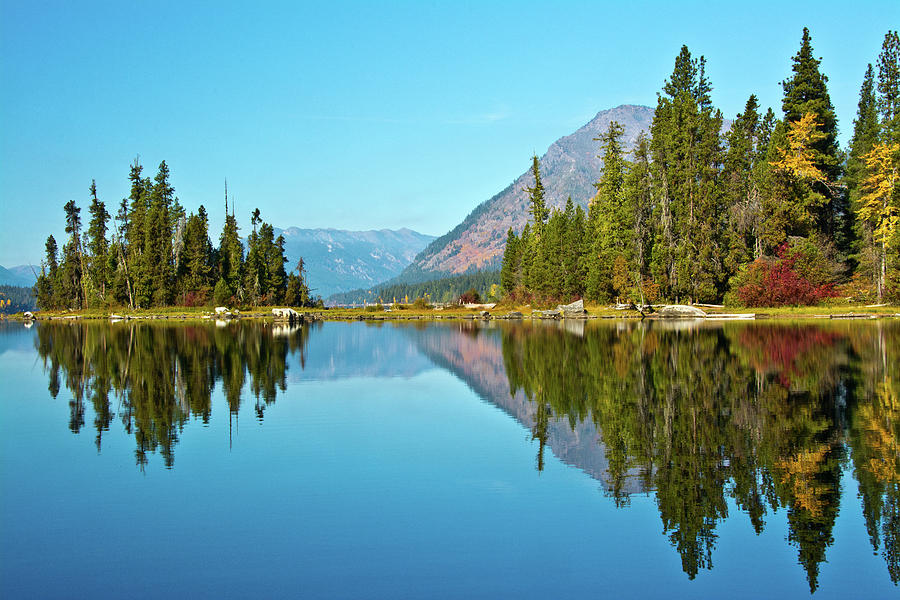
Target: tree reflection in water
column 766, row 415
column 162, row 375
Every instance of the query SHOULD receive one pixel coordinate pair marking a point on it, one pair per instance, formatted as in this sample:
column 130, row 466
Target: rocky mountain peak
column 570, row 167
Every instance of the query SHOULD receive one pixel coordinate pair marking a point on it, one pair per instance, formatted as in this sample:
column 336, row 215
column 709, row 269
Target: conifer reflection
column 163, row 375
column 752, row 412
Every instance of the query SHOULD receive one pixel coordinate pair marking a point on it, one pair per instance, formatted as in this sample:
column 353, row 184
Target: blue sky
column 360, row 115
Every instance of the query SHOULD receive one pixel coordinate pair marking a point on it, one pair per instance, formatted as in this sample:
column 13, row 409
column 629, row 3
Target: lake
column 450, row 459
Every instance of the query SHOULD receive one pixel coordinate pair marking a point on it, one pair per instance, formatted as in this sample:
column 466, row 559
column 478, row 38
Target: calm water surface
column 458, row 460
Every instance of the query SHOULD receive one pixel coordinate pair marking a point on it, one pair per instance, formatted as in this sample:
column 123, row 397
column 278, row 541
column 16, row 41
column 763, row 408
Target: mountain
column 339, row 261
column 570, row 167
column 21, row 276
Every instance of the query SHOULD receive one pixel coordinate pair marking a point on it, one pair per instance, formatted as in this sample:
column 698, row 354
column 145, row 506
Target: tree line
column 445, row 289
column 153, row 254
column 770, row 211
column 15, row 299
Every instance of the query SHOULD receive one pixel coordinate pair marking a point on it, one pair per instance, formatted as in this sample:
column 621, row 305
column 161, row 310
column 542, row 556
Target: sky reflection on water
column 352, row 460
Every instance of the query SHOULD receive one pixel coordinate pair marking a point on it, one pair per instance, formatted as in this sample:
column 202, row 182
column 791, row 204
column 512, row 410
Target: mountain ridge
column 569, row 168
column 19, row 276
column 340, row 260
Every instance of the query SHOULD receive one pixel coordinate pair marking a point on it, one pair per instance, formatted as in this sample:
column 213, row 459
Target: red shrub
column 195, row 298
column 777, row 283
column 470, row 297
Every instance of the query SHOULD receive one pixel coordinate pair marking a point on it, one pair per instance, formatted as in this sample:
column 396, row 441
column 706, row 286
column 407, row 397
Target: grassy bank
column 410, row 312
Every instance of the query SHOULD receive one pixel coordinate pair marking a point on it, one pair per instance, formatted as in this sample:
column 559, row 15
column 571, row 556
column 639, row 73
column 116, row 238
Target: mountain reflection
column 703, row 417
column 764, row 414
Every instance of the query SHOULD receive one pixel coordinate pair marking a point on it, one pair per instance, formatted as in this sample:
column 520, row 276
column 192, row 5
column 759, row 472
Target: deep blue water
column 448, row 461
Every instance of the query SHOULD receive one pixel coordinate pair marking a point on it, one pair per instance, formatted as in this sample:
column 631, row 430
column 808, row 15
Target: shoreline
column 505, row 313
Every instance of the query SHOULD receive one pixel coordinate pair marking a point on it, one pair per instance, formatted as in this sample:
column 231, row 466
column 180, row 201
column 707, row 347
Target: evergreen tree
column 254, row 265
column 571, row 268
column 806, row 92
column 509, row 272
column 195, row 268
column 231, row 260
column 137, row 266
column 742, row 189
column 538, row 207
column 47, row 289
column 158, row 240
column 686, row 153
column 72, row 266
column 638, row 191
column 118, row 254
column 889, row 87
column 274, row 260
column 297, row 292
column 609, row 221
column 98, row 247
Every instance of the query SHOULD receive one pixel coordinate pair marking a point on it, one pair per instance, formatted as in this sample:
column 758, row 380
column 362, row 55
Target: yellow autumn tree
column 801, row 187
column 879, row 205
column 799, row 158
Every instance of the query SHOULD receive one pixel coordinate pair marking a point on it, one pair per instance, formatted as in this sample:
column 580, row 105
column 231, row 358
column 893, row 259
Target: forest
column 766, row 212
column 15, row 299
column 446, row 289
column 155, row 254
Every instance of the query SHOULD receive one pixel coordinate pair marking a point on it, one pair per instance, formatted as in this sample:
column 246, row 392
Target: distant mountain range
column 335, row 260
column 21, row 276
column 340, row 261
column 570, row 167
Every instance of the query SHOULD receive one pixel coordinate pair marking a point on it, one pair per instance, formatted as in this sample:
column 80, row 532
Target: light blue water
column 393, row 464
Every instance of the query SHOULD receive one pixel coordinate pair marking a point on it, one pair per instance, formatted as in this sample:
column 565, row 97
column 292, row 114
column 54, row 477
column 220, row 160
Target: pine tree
column 137, row 261
column 231, row 260
column 889, row 87
column 254, row 273
column 72, row 267
column 195, row 268
column 158, row 240
column 297, row 292
column 686, row 152
column 275, row 259
column 539, row 211
column 609, row 219
column 638, row 191
column 509, row 271
column 573, row 240
column 526, row 257
column 47, row 286
column 742, row 188
column 806, row 92
column 98, row 246
column 118, row 253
